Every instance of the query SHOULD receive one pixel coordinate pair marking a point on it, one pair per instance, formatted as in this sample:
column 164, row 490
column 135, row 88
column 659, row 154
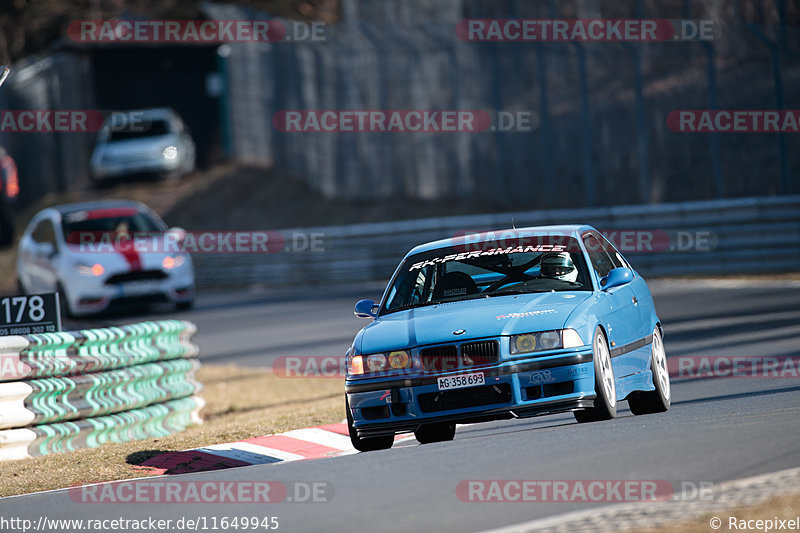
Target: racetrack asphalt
column 718, row 429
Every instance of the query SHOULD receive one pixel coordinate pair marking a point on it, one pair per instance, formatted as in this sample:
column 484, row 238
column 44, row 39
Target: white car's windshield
column 139, row 130
column 91, row 224
column 488, row 269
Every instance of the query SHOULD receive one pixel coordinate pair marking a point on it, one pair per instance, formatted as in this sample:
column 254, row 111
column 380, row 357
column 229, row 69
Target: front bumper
column 116, row 169
column 513, row 389
column 92, row 295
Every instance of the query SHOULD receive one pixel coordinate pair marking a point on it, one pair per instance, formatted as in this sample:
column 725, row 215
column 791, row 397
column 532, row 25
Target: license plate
column 137, row 288
column 460, row 381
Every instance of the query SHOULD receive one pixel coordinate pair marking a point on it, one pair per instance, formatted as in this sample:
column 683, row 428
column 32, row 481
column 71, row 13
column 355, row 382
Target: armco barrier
column 750, row 235
column 70, row 390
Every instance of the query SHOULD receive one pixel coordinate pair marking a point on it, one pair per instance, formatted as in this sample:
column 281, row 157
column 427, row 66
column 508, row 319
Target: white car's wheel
column 657, row 401
column 605, row 385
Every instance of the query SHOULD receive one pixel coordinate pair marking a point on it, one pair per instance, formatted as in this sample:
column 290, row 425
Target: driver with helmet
column 559, row 266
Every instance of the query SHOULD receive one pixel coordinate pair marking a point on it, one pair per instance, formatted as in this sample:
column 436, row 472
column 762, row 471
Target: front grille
column 138, row 275
column 439, row 358
column 479, row 353
column 464, row 398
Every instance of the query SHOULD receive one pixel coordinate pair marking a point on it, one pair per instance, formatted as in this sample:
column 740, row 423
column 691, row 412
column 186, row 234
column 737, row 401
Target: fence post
column 641, row 125
column 777, row 76
column 224, row 98
column 713, row 138
column 588, row 170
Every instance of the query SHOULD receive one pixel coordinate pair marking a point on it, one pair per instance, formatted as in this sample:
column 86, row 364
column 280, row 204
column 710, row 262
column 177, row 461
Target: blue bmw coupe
column 507, row 324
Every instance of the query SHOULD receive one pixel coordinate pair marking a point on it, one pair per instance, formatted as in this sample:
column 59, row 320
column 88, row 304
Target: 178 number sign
column 30, row 314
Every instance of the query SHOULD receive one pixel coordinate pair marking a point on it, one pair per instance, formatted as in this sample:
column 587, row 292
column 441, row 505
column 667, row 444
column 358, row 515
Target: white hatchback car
column 145, row 141
column 96, row 253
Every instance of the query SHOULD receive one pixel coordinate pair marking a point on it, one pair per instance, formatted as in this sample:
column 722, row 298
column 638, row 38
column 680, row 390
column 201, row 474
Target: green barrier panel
column 93, row 350
column 69, row 390
column 153, row 421
column 102, row 393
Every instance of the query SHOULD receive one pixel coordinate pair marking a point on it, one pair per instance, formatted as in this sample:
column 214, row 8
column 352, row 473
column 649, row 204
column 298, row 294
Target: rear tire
column 6, row 231
column 657, row 401
column 366, row 444
column 605, row 386
column 440, row 432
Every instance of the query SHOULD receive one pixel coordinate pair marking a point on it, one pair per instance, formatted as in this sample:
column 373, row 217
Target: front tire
column 185, row 306
column 366, row 444
column 605, row 386
column 6, row 231
column 657, row 401
column 427, row 433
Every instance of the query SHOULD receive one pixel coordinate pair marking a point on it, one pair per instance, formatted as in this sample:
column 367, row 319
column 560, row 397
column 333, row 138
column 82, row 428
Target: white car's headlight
column 545, row 340
column 170, row 152
column 91, row 271
column 173, row 261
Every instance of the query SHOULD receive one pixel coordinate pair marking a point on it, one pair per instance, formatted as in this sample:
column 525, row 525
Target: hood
column 481, row 317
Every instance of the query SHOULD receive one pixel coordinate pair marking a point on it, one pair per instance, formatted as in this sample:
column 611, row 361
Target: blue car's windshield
column 489, row 268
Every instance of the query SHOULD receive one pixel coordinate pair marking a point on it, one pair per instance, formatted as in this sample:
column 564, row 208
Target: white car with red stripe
column 97, row 253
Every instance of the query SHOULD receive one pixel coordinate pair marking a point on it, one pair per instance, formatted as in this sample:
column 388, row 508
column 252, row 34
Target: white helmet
column 559, row 266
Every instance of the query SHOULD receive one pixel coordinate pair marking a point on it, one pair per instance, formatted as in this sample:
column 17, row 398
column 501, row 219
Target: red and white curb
column 330, row 440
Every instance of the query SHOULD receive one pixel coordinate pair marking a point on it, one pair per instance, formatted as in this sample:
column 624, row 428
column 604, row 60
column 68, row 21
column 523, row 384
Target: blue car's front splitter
column 518, row 388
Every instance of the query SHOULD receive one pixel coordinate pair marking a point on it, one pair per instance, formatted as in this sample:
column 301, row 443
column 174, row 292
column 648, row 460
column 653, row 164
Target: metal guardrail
column 64, row 391
column 747, row 235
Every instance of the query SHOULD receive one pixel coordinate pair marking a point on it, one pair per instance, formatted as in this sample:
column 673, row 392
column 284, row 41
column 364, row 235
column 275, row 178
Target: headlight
column 94, row 270
column 379, row 362
column 173, row 261
column 545, row 340
column 170, row 152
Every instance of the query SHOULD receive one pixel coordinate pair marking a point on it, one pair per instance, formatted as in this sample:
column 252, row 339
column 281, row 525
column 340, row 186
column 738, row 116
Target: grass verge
column 241, row 403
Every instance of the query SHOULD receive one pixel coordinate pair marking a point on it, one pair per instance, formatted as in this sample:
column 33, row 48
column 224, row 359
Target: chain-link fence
column 48, row 161
column 599, row 110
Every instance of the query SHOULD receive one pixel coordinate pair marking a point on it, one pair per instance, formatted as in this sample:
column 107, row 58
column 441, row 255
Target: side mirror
column 177, row 234
column 615, row 278
column 365, row 309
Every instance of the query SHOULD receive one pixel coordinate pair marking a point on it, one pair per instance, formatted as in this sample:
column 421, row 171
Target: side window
column 44, row 232
column 601, row 262
column 616, row 258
